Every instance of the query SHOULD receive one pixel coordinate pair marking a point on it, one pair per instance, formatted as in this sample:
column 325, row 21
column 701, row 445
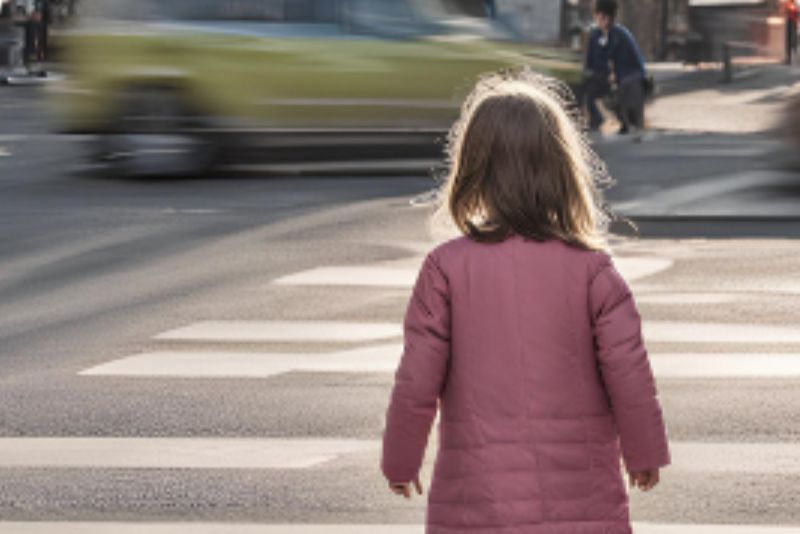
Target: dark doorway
column 473, row 8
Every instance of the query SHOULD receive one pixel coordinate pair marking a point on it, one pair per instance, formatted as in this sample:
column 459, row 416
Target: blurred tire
column 155, row 133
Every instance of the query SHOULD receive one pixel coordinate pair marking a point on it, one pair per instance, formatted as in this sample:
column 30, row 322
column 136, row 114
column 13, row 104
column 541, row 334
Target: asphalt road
column 96, row 273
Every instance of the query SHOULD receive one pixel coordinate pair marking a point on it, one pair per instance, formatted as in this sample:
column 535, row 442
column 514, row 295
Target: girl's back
column 521, row 333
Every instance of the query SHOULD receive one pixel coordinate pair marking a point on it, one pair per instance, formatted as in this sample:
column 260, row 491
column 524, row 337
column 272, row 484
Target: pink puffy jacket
column 534, row 352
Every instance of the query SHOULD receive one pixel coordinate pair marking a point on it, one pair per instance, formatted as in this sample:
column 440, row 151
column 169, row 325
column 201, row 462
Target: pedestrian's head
column 519, row 162
column 605, row 12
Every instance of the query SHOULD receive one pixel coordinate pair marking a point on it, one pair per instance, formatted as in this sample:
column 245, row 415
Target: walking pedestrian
column 32, row 25
column 790, row 8
column 44, row 9
column 523, row 334
column 8, row 40
column 614, row 64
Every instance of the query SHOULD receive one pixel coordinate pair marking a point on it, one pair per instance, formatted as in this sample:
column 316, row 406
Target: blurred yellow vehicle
column 177, row 80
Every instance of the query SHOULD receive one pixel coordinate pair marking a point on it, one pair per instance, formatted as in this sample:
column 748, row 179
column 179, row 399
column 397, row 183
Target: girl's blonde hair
column 519, row 160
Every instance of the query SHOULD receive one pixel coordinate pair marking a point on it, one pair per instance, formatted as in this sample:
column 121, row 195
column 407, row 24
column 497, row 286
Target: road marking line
column 631, row 268
column 378, row 358
column 685, row 199
column 302, row 453
column 752, row 458
column 692, row 332
column 384, row 358
column 30, row 527
column 176, row 453
column 687, row 298
column 411, row 166
column 351, row 276
column 709, row 365
column 257, row 331
column 743, row 289
column 4, row 152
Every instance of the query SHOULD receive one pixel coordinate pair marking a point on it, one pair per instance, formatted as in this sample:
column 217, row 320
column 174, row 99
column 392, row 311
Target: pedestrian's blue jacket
column 621, row 48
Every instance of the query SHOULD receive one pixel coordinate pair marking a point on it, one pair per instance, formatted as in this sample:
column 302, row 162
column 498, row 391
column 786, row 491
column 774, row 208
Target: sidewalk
column 697, row 100
column 711, row 150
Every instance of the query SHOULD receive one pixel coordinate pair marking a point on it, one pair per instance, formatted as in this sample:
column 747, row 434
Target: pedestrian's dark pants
column 595, row 87
column 631, row 102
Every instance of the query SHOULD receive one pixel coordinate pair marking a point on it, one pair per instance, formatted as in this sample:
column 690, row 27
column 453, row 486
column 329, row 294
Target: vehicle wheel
column 155, row 133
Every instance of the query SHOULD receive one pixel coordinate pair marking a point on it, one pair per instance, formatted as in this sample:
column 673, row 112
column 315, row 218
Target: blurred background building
column 689, row 30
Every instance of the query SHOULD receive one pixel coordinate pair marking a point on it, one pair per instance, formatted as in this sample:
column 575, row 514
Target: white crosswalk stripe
column 299, row 331
column 352, row 276
column 185, row 453
column 747, row 365
column 378, row 358
column 696, row 332
column 757, row 458
column 248, row 528
column 304, row 453
column 650, row 528
column 686, row 298
column 385, row 358
column 632, row 268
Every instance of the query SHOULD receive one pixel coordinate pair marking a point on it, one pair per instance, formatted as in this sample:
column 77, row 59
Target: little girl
column 525, row 335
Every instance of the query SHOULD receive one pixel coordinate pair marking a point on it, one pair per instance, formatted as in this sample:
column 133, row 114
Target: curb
column 708, row 226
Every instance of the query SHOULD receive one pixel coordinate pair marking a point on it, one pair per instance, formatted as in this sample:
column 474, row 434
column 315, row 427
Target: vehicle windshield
column 212, row 10
column 464, row 17
column 409, row 18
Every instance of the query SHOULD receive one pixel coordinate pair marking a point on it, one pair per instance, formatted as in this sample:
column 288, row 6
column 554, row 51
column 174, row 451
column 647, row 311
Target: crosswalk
column 227, row 352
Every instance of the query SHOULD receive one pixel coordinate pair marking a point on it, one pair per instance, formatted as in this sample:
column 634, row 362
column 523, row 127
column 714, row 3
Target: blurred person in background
column 36, row 23
column 614, row 65
column 32, row 21
column 43, row 7
column 790, row 9
column 8, row 37
column 6, row 19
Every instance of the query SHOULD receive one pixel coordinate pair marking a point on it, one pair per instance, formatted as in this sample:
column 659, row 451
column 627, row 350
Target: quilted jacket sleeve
column 626, row 370
column 420, row 376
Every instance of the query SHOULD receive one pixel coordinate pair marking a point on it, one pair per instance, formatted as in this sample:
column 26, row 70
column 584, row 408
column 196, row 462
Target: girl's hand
column 404, row 489
column 644, row 480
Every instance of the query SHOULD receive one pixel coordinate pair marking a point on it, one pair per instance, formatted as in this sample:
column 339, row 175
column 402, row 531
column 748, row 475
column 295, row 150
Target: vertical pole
column 662, row 52
column 45, row 29
column 727, row 63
